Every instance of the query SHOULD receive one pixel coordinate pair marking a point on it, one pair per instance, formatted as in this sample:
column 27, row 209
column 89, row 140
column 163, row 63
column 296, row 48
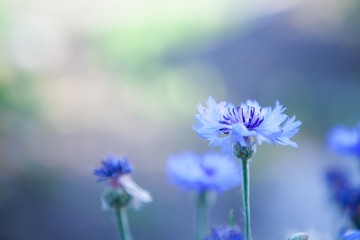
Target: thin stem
column 122, row 223
column 202, row 218
column 231, row 218
column 246, row 192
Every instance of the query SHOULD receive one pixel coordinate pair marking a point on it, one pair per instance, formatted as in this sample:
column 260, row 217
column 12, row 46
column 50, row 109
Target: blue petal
column 352, row 236
column 212, row 171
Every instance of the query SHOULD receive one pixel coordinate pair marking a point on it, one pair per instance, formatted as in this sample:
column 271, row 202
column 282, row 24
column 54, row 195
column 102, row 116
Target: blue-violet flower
column 224, row 124
column 344, row 192
column 115, row 172
column 354, row 235
column 212, row 171
column 226, row 233
column 345, row 140
column 112, row 168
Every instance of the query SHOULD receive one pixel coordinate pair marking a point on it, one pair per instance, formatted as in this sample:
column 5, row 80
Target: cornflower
column 224, row 124
column 121, row 190
column 345, row 140
column 233, row 128
column 211, row 172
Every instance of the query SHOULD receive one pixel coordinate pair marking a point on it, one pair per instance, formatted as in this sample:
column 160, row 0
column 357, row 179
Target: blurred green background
column 80, row 79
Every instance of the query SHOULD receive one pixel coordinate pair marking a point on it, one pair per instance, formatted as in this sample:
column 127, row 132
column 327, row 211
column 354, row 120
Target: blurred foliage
column 17, row 103
column 161, row 95
column 141, row 47
column 141, row 42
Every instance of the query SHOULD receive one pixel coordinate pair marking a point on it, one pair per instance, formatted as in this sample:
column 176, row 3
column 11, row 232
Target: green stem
column 246, row 192
column 202, row 219
column 122, row 223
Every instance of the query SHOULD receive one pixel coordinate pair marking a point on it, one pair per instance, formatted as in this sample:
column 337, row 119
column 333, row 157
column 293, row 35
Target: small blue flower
column 355, row 235
column 115, row 172
column 112, row 168
column 226, row 233
column 344, row 193
column 345, row 140
column 212, row 171
column 223, row 124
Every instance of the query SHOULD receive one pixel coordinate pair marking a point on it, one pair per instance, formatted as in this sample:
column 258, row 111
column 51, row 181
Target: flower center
column 250, row 116
column 209, row 171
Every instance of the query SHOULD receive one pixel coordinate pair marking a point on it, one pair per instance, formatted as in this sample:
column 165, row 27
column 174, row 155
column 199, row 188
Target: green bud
column 245, row 153
column 299, row 236
column 231, row 216
column 116, row 197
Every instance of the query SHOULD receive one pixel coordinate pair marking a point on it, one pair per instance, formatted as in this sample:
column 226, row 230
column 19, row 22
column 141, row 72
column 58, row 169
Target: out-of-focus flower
column 224, row 124
column 299, row 236
column 345, row 193
column 212, row 171
column 345, row 140
column 354, row 235
column 112, row 168
column 226, row 233
column 116, row 174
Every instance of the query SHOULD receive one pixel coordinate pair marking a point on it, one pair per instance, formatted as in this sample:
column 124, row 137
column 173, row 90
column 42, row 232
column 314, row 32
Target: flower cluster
column 115, row 172
column 345, row 140
column 224, row 124
column 226, row 233
column 212, row 171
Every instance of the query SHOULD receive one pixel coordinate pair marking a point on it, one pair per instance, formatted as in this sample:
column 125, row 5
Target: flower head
column 344, row 192
column 226, row 233
column 345, row 140
column 224, row 124
column 115, row 172
column 112, row 168
column 212, row 171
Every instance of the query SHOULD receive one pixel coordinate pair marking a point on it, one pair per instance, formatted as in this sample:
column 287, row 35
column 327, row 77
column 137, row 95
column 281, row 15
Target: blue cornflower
column 355, row 235
column 224, row 124
column 115, row 172
column 344, row 192
column 345, row 140
column 226, row 233
column 212, row 171
column 113, row 167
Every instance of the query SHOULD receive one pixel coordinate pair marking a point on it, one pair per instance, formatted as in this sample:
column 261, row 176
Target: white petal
column 139, row 194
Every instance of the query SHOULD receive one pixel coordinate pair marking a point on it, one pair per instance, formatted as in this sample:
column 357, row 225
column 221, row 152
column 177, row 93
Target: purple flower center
column 250, row 116
column 209, row 171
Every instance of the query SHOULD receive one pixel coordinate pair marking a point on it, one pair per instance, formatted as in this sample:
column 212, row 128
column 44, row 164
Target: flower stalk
column 246, row 195
column 122, row 223
column 202, row 215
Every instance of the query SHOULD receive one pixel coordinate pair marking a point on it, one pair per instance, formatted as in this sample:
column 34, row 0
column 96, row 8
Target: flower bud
column 299, row 236
column 245, row 153
column 116, row 197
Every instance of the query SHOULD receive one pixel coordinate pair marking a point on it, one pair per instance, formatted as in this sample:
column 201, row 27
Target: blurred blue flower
column 344, row 193
column 212, row 171
column 115, row 171
column 345, row 140
column 226, row 233
column 223, row 124
column 355, row 235
column 113, row 167
column 299, row 236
